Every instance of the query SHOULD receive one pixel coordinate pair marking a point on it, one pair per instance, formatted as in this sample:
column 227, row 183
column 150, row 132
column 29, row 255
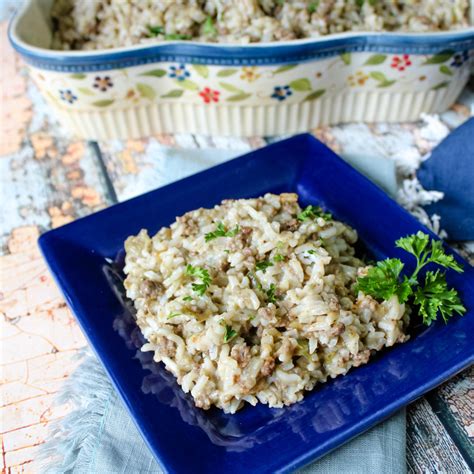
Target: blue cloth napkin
column 450, row 169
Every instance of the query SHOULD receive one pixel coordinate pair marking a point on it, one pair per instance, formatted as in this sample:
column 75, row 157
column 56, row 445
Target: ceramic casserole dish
column 243, row 90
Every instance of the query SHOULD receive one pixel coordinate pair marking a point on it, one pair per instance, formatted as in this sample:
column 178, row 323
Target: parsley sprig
column 433, row 296
column 221, row 231
column 203, row 275
column 312, row 212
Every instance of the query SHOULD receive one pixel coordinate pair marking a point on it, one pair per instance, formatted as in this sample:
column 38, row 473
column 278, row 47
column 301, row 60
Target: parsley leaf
column 188, row 298
column 221, row 232
column 173, row 315
column 278, row 258
column 414, row 244
column 381, row 280
column 312, row 212
column 263, row 265
column 438, row 256
column 433, row 296
column 230, row 333
column 203, row 275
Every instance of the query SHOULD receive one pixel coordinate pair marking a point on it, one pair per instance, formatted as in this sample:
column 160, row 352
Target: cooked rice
column 100, row 24
column 240, row 341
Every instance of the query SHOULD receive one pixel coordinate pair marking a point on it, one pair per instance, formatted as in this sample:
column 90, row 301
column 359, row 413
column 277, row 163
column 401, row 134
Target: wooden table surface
column 49, row 178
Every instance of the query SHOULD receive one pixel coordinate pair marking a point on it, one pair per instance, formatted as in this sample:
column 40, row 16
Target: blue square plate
column 83, row 258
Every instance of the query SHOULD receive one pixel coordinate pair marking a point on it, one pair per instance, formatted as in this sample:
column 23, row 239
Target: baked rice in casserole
column 254, row 301
column 101, row 24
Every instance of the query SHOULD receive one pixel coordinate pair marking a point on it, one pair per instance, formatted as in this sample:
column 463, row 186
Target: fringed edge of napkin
column 74, row 438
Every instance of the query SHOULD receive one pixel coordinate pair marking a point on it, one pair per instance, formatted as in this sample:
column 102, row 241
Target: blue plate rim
column 355, row 429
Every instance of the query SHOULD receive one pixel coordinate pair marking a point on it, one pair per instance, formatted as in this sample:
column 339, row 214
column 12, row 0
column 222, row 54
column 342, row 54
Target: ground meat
column 361, row 358
column 241, row 353
column 244, row 235
column 165, row 347
column 268, row 367
column 150, row 289
column 291, row 225
column 338, row 329
column 190, row 225
column 289, row 202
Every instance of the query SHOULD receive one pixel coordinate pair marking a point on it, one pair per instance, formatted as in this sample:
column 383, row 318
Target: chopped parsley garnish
column 177, row 36
column 188, row 298
column 160, row 30
column 173, row 315
column 433, row 296
column 278, row 258
column 155, row 30
column 209, row 28
column 229, row 333
column 271, row 296
column 221, row 231
column 263, row 265
column 203, row 275
column 312, row 7
column 311, row 251
column 312, row 212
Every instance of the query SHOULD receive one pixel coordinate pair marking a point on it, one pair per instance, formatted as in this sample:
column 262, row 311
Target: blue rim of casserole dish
column 237, row 55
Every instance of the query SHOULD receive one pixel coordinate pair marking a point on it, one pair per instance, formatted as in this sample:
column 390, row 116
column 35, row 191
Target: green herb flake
column 155, row 30
column 278, row 258
column 433, row 296
column 209, row 28
column 263, row 265
column 222, row 232
column 229, row 334
column 312, row 212
column 173, row 315
column 271, row 296
column 203, row 275
column 176, row 37
column 188, row 298
column 312, row 7
column 311, row 252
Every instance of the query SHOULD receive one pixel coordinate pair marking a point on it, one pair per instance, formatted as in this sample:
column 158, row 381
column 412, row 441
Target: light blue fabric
column 100, row 437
